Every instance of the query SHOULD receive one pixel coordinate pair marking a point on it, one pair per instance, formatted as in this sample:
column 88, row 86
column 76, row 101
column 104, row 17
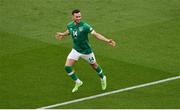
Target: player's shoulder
column 85, row 23
column 70, row 24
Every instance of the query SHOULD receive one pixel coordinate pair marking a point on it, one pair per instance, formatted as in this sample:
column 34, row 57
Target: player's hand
column 112, row 42
column 59, row 36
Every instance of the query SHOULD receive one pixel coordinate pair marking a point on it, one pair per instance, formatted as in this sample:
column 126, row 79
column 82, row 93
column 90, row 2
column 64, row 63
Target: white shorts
column 75, row 55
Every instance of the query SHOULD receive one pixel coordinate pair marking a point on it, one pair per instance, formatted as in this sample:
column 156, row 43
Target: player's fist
column 59, row 35
column 112, row 42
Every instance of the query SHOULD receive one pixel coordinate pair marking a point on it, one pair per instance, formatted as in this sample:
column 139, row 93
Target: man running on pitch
column 81, row 48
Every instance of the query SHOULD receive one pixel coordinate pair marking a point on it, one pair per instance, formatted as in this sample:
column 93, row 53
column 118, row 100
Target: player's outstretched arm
column 60, row 35
column 101, row 37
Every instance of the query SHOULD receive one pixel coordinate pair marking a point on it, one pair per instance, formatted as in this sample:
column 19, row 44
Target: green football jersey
column 79, row 33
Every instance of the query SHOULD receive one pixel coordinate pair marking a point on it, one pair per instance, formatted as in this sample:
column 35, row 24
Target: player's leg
column 90, row 58
column 69, row 69
column 71, row 59
column 99, row 70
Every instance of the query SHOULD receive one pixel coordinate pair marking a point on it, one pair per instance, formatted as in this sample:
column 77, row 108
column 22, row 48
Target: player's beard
column 77, row 21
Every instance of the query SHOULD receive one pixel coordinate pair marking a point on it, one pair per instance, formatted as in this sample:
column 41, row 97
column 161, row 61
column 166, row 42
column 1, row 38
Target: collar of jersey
column 77, row 24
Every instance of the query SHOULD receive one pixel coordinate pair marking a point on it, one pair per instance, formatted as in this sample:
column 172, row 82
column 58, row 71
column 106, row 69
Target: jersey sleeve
column 89, row 29
column 67, row 27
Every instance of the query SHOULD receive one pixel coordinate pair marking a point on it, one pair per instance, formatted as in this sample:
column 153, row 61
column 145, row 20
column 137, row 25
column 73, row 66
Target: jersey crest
column 80, row 29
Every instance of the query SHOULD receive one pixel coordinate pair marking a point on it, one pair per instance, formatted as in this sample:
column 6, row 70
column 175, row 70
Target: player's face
column 77, row 17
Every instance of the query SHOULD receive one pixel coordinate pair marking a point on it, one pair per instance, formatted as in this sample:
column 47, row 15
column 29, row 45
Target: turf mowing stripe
column 110, row 92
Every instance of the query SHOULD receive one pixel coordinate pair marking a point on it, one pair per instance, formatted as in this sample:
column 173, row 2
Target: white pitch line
column 109, row 93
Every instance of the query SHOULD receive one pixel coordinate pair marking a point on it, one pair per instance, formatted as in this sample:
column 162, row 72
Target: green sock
column 71, row 73
column 74, row 76
column 100, row 72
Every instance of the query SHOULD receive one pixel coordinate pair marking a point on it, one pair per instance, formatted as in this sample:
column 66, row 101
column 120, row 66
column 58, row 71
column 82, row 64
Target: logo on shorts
column 91, row 59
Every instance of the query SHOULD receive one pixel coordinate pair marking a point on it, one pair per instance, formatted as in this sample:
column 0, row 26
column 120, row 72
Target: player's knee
column 94, row 65
column 68, row 69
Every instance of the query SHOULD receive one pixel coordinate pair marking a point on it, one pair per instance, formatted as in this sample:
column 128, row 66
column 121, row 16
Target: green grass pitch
column 32, row 61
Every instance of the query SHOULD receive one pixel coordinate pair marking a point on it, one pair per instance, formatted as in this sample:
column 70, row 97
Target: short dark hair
column 75, row 11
